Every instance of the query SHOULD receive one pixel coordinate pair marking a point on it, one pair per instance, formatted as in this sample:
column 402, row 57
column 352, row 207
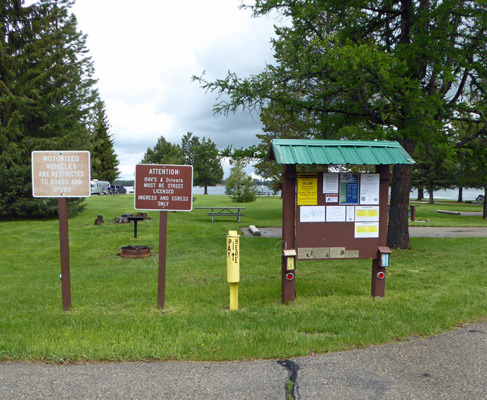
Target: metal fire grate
column 135, row 251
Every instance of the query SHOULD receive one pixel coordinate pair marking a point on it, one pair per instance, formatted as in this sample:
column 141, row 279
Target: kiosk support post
column 378, row 270
column 378, row 280
column 288, row 230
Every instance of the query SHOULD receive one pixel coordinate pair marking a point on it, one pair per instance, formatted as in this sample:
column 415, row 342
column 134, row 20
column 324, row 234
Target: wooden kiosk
column 335, row 215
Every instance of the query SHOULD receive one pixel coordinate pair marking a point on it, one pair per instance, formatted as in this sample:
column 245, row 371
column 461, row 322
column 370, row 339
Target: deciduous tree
column 397, row 70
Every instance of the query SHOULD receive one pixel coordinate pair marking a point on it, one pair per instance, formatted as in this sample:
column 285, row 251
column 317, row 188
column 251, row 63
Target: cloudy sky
column 145, row 54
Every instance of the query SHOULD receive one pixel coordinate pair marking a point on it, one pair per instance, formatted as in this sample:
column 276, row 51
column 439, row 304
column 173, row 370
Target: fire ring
column 135, row 251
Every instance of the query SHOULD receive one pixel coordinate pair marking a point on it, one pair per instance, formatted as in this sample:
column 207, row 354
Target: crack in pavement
column 292, row 367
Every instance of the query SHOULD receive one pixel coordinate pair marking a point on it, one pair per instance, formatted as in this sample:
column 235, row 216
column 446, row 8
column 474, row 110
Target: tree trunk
column 420, row 194
column 206, row 189
column 431, row 196
column 460, row 194
column 484, row 216
column 398, row 230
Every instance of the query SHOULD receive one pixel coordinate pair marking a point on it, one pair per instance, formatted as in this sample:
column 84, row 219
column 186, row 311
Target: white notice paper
column 369, row 188
column 330, row 183
column 335, row 214
column 312, row 213
column 350, row 213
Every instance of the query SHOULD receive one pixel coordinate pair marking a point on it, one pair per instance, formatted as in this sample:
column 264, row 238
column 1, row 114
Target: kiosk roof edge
column 338, row 152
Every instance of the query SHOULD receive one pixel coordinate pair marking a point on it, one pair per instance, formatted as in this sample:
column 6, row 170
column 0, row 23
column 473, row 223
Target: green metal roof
column 329, row 152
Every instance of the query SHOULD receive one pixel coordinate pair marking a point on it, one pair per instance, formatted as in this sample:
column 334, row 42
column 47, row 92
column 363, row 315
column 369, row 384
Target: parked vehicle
column 118, row 189
column 480, row 199
column 99, row 187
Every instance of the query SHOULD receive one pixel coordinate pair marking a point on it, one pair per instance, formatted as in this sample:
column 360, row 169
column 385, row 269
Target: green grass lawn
column 437, row 285
column 427, row 215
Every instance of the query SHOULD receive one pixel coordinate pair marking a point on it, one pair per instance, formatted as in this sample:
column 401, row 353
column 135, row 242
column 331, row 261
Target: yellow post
column 233, row 296
column 233, row 267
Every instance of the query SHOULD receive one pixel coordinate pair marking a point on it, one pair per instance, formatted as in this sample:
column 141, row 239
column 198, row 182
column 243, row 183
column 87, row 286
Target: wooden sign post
column 163, row 188
column 62, row 174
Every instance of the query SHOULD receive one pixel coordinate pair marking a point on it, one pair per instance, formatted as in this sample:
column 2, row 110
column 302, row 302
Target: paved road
column 448, row 366
column 420, row 231
column 414, row 231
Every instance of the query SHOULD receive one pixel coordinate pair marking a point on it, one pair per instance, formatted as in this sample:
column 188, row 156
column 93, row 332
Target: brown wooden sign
column 61, row 173
column 163, row 187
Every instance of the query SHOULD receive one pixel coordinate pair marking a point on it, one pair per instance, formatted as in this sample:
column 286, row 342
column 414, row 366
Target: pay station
column 328, row 215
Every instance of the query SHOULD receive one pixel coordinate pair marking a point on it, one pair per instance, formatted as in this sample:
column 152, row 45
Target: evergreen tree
column 104, row 161
column 434, row 169
column 240, row 186
column 188, row 148
column 471, row 156
column 205, row 159
column 46, row 96
column 164, row 153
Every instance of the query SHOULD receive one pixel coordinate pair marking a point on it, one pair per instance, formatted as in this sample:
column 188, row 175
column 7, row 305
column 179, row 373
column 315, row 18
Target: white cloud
column 145, row 54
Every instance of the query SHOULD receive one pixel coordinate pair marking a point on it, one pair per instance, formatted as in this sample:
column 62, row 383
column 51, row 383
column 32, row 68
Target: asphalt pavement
column 451, row 365
column 414, row 231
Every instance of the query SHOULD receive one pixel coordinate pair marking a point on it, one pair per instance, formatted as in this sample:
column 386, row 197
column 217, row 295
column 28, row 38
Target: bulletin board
column 338, row 215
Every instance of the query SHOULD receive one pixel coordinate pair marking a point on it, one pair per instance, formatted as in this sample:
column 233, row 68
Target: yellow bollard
column 233, row 267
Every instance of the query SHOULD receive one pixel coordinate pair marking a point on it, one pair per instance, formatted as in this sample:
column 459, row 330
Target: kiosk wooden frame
column 336, row 237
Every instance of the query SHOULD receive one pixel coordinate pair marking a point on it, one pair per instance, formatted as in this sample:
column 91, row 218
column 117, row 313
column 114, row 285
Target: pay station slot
column 290, row 256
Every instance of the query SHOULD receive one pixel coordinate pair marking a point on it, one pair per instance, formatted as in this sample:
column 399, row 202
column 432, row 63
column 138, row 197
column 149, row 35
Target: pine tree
column 239, row 186
column 46, row 96
column 104, row 161
column 164, row 153
column 205, row 158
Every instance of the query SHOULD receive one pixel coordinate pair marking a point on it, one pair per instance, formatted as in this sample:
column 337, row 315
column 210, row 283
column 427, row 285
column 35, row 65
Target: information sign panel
column 61, row 173
column 163, row 187
column 346, row 219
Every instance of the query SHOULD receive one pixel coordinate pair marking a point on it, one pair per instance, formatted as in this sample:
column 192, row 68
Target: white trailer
column 99, row 187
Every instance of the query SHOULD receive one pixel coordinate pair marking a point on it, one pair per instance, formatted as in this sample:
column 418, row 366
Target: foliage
column 240, row 186
column 369, row 70
column 434, row 169
column 472, row 155
column 46, row 97
column 279, row 122
column 104, row 163
column 205, row 158
column 164, row 153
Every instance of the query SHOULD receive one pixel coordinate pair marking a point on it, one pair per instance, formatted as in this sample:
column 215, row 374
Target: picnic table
column 223, row 212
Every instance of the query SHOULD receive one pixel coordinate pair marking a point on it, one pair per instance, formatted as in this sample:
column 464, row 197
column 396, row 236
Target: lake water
column 221, row 190
column 447, row 194
column 450, row 194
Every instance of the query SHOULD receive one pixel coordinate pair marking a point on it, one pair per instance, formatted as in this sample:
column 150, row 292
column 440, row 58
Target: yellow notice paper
column 307, row 189
column 366, row 230
column 366, row 213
